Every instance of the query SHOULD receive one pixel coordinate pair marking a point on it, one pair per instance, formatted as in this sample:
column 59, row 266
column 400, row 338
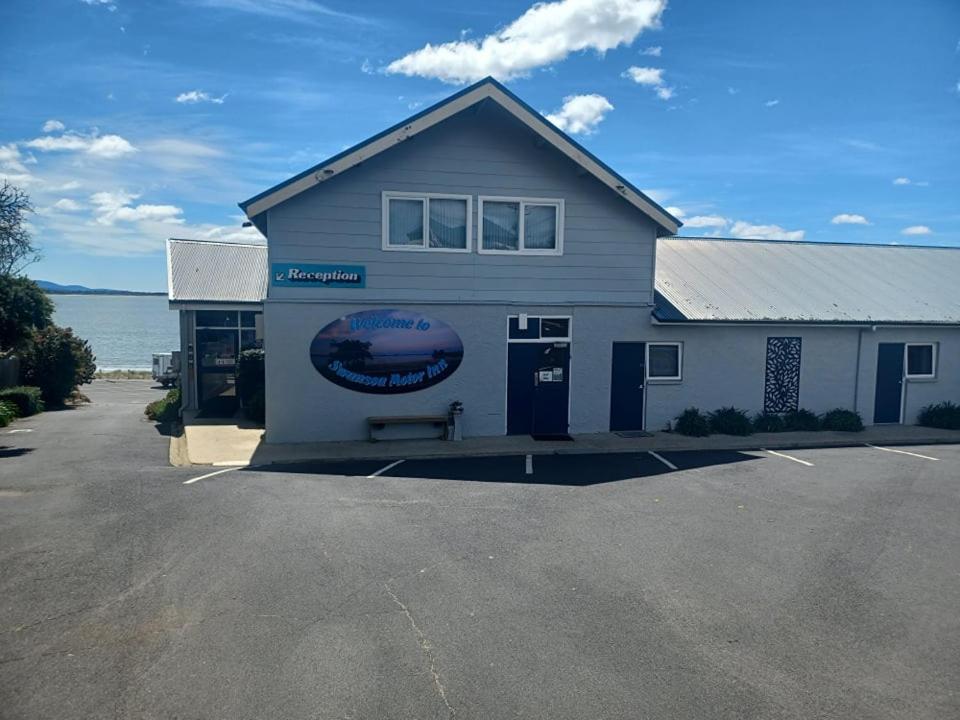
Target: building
column 476, row 254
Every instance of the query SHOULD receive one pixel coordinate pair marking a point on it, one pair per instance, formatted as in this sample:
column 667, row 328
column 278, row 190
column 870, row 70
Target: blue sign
column 307, row 275
column 386, row 352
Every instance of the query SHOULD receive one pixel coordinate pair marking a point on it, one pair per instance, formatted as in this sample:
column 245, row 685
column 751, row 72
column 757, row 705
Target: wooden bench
column 379, row 423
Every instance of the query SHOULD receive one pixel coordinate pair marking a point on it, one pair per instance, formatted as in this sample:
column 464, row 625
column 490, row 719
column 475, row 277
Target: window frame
column 557, row 203
column 387, row 195
column 663, row 378
column 933, row 361
column 540, row 338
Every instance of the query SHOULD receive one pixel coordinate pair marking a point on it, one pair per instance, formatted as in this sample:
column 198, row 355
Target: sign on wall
column 386, row 352
column 309, row 275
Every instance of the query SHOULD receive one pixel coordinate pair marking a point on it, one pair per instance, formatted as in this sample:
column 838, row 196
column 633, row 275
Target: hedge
column 166, row 409
column 842, row 420
column 945, row 415
column 730, row 421
column 693, row 422
column 27, row 399
column 8, row 412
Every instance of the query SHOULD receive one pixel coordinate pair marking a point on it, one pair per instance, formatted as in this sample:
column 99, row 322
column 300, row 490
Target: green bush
column 251, row 380
column 256, row 407
column 767, row 422
column 730, row 421
column 24, row 308
column 944, row 415
column 801, row 420
column 58, row 362
column 8, row 412
column 693, row 422
column 842, row 420
column 166, row 409
column 26, row 399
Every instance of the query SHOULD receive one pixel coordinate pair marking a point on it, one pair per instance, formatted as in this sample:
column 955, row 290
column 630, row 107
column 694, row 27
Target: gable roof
column 726, row 280
column 205, row 271
column 487, row 88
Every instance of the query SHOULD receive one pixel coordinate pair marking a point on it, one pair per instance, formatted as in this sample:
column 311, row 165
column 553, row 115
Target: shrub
column 24, row 307
column 944, row 415
column 842, row 420
column 802, row 420
column 58, row 362
column 250, row 377
column 8, row 412
column 730, row 421
column 166, row 409
column 767, row 422
column 26, row 399
column 693, row 422
column 256, row 407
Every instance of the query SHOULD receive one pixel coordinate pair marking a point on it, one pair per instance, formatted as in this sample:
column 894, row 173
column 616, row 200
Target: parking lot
column 797, row 584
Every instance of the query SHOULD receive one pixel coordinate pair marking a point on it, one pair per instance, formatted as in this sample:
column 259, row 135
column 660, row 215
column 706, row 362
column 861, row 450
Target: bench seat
column 380, row 422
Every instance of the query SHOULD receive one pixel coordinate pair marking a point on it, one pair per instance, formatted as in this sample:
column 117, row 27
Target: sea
column 123, row 330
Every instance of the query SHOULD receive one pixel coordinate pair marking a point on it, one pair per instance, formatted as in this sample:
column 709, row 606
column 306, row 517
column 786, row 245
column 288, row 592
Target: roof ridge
column 218, row 242
column 813, row 242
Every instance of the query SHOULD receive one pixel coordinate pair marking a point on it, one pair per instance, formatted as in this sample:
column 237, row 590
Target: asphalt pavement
column 816, row 583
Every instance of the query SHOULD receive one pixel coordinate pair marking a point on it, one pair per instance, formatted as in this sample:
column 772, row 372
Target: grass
column 123, row 375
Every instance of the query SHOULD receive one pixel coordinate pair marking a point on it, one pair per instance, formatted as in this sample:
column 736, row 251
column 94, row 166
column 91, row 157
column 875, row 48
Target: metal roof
column 724, row 280
column 204, row 271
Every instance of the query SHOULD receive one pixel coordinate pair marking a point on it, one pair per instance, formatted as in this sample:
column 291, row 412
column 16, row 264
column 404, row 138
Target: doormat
column 548, row 437
column 633, row 433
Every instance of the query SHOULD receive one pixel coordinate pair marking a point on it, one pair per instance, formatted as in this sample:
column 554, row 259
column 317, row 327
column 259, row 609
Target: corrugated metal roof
column 763, row 281
column 203, row 271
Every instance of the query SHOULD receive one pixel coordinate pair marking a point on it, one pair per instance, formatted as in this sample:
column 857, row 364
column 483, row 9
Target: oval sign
column 385, row 352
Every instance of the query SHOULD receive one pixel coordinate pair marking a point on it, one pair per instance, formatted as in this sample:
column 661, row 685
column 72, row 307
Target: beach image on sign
column 386, row 351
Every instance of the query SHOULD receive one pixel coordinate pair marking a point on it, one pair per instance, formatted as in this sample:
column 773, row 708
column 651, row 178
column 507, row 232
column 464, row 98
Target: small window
column 426, row 222
column 555, row 328
column 531, row 332
column 248, row 319
column 539, row 328
column 664, row 361
column 921, row 360
column 531, row 227
column 217, row 318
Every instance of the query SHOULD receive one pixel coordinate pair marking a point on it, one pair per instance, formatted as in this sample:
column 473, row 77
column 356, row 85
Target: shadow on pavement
column 6, row 452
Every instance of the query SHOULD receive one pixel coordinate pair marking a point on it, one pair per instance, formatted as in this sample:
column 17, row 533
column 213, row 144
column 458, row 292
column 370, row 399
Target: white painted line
column 215, row 472
column 663, row 460
column 529, row 466
column 19, row 430
column 231, row 463
column 902, row 452
column 384, row 469
column 788, row 457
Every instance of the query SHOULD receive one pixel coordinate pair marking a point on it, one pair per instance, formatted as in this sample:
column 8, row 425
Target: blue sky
column 132, row 121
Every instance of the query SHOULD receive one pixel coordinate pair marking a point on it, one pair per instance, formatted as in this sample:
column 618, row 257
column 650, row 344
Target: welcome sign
column 309, row 275
column 386, row 352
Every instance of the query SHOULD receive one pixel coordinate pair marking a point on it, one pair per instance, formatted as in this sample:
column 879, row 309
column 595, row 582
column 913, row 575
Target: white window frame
column 522, row 201
column 664, row 378
column 388, row 195
column 906, row 361
column 541, row 339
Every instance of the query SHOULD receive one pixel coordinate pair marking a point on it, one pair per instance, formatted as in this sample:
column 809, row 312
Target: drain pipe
column 856, row 377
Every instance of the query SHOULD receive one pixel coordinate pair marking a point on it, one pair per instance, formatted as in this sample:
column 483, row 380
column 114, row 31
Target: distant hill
column 57, row 289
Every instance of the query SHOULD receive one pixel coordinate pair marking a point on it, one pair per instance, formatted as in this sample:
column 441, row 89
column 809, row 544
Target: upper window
column 418, row 221
column 538, row 328
column 921, row 360
column 518, row 225
column 664, row 361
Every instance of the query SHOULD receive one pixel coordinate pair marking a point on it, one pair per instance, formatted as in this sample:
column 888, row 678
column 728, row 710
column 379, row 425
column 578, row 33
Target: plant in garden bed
column 944, row 415
column 842, row 420
column 58, row 362
column 730, row 421
column 692, row 422
column 166, row 409
column 26, row 399
column 251, row 380
column 801, row 420
column 767, row 422
column 8, row 412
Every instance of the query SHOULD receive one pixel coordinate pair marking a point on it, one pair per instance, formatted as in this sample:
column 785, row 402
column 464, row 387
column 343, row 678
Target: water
column 124, row 331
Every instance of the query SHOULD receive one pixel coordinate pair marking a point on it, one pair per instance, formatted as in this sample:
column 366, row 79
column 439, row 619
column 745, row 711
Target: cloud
column 652, row 77
column 53, row 126
column 299, row 10
column 916, row 230
column 108, row 4
column 13, row 168
column 103, row 146
column 732, row 90
column 675, row 211
column 742, row 229
column 652, row 51
column 901, row 181
column 545, row 34
column 849, row 219
column 581, row 114
column 199, row 96
column 67, row 205
column 772, row 103
column 706, row 221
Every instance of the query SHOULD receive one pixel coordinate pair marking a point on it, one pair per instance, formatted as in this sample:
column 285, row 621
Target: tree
column 58, row 362
column 16, row 245
column 24, row 308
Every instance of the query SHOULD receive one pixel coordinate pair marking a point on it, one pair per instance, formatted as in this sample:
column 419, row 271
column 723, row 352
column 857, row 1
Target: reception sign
column 386, row 352
column 310, row 275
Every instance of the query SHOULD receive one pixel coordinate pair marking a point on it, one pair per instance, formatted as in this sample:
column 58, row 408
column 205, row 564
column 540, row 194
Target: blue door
column 627, row 377
column 888, row 399
column 538, row 388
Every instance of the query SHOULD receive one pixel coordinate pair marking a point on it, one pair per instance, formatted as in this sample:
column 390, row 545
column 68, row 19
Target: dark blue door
column 626, row 386
column 538, row 388
column 889, row 396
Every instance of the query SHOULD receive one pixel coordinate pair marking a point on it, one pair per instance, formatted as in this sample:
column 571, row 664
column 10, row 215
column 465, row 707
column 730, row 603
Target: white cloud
column 108, row 4
column 901, row 181
column 652, row 77
column 53, row 126
column 546, row 33
column 732, row 90
column 199, row 96
column 772, row 103
column 742, row 229
column 917, row 230
column 706, row 221
column 104, row 146
column 67, row 205
column 675, row 211
column 308, row 11
column 849, row 219
column 581, row 114
column 111, row 207
column 654, row 51
column 13, row 168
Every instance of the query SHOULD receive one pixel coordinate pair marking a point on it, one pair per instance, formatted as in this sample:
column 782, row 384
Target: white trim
column 933, row 361
column 664, row 378
column 557, row 203
column 387, row 195
column 169, row 271
column 506, row 359
column 902, row 452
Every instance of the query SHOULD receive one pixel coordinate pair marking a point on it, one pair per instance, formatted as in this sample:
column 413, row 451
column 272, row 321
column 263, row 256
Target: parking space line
column 662, row 459
column 788, row 457
column 383, row 469
column 902, row 452
column 209, row 475
column 529, row 465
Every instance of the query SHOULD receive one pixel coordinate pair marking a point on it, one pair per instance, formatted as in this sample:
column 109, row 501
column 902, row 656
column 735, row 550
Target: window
column 217, row 318
column 523, row 226
column 426, row 222
column 539, row 328
column 664, row 361
column 921, row 360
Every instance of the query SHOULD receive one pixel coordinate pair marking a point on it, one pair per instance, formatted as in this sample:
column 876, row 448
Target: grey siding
column 608, row 246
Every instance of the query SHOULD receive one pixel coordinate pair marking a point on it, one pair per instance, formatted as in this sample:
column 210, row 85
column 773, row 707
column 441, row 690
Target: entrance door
column 888, row 399
column 628, row 375
column 538, row 388
column 216, row 372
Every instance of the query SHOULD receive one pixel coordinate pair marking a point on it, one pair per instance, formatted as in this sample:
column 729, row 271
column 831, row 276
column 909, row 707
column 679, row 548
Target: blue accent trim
column 325, row 276
column 486, row 81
